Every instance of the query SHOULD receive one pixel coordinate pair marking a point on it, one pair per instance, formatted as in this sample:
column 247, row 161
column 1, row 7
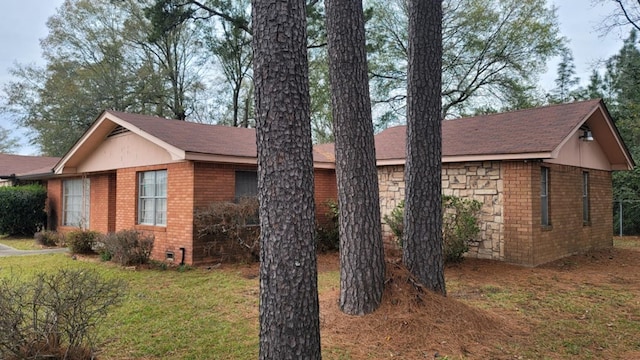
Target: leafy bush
column 230, row 227
column 55, row 315
column 329, row 233
column 22, row 209
column 82, row 241
column 459, row 225
column 49, row 238
column 126, row 247
column 395, row 220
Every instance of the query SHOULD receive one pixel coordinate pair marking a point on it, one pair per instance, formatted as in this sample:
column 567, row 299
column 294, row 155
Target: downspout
column 182, row 250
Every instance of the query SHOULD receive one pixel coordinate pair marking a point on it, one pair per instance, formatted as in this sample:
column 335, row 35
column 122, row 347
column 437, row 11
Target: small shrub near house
column 82, row 241
column 22, row 209
column 459, row 225
column 55, row 316
column 126, row 247
column 329, row 233
column 228, row 230
column 49, row 238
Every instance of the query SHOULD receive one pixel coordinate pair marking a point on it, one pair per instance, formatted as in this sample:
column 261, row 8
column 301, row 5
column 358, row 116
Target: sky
column 23, row 24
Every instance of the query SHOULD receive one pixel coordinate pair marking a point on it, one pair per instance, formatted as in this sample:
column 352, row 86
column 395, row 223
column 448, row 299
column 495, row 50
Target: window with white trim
column 76, row 202
column 544, row 196
column 152, row 198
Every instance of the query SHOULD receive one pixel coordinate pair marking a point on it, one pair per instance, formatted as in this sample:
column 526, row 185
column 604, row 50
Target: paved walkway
column 9, row 251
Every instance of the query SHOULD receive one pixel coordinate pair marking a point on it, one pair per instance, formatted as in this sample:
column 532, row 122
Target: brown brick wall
column 530, row 243
column 519, row 209
column 102, row 202
column 178, row 231
column 54, row 204
column 568, row 234
column 326, row 189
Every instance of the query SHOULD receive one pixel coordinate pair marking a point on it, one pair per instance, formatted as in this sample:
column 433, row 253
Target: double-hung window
column 152, row 198
column 544, row 196
column 585, row 198
column 75, row 202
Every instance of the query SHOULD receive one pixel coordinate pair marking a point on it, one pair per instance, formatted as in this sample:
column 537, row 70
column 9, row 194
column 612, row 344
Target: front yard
column 584, row 306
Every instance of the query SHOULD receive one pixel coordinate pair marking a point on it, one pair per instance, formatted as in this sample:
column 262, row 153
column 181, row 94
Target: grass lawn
column 19, row 243
column 584, row 306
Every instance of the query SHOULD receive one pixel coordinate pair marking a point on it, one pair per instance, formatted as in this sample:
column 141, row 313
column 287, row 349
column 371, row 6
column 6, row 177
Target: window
column 246, row 184
column 75, row 202
column 585, row 198
column 544, row 196
column 152, row 198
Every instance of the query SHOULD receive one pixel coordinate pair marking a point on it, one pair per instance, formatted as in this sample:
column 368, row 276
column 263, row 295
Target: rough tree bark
column 361, row 250
column 422, row 240
column 289, row 320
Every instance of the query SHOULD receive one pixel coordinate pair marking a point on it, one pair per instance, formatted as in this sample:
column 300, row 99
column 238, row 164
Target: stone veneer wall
column 481, row 181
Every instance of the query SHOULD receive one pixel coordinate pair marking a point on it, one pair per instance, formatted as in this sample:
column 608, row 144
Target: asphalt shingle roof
column 25, row 165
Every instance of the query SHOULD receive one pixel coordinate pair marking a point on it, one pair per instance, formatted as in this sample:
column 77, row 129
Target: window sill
column 156, row 228
column 547, row 227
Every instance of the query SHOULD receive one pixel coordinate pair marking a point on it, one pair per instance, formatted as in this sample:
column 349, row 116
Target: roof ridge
column 535, row 108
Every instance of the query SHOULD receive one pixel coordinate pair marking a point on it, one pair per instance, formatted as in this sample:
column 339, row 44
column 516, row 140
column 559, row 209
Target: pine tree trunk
column 422, row 240
column 289, row 320
column 361, row 250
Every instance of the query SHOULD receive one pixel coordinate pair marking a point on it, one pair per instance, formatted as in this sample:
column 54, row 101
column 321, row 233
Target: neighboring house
column 151, row 174
column 543, row 176
column 21, row 169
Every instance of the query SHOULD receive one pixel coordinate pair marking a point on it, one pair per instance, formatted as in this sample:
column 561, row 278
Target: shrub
column 49, row 238
column 230, row 227
column 126, row 247
column 22, row 209
column 82, row 241
column 55, row 315
column 395, row 220
column 328, row 234
column 459, row 225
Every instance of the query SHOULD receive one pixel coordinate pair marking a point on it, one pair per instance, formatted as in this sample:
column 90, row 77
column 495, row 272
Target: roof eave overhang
column 476, row 158
column 242, row 160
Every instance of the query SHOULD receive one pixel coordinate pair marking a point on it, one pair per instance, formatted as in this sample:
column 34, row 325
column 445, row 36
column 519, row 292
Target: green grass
column 19, row 243
column 213, row 314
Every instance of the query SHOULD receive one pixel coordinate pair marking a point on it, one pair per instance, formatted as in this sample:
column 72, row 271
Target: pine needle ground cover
column 584, row 306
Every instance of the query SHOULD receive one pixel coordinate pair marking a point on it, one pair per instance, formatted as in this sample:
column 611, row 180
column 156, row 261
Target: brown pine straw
column 412, row 323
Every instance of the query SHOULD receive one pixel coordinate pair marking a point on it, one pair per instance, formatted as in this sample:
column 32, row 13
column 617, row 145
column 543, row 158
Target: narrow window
column 75, row 202
column 585, row 198
column 152, row 198
column 246, row 184
column 247, row 187
column 544, row 196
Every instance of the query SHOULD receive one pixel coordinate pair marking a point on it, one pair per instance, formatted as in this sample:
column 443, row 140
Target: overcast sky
column 23, row 24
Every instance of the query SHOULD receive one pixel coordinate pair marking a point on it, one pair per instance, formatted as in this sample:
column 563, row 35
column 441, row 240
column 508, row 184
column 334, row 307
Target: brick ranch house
column 151, row 174
column 543, row 176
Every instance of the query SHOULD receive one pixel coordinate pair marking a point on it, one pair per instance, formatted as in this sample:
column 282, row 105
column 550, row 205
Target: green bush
column 49, row 238
column 395, row 220
column 126, row 247
column 459, row 225
column 328, row 234
column 55, row 315
column 82, row 241
column 22, row 209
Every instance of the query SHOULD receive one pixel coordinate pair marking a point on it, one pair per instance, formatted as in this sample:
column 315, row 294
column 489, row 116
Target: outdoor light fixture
column 586, row 135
